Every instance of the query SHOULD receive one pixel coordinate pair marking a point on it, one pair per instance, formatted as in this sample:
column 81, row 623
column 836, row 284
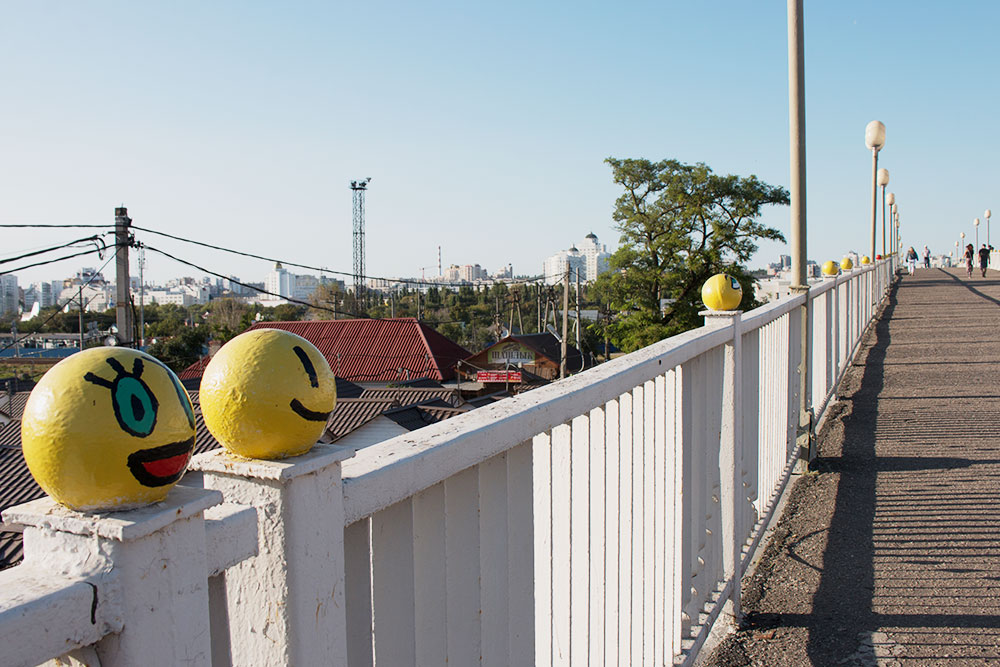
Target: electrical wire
column 405, row 281
column 52, row 261
column 95, row 239
column 31, row 226
column 237, row 282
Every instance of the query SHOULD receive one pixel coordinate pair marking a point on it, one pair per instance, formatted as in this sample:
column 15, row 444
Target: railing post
column 286, row 605
column 148, row 568
column 731, row 496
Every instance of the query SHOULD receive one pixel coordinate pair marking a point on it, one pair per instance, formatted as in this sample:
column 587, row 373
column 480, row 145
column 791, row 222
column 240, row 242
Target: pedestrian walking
column 911, row 260
column 927, row 257
column 970, row 257
column 984, row 259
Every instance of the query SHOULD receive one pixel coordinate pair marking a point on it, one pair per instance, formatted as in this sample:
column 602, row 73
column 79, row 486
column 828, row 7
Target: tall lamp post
column 874, row 140
column 894, row 227
column 889, row 199
column 883, row 180
column 975, row 223
column 987, row 215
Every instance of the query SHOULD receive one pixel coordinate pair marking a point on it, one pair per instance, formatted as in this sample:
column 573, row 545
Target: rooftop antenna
column 358, row 189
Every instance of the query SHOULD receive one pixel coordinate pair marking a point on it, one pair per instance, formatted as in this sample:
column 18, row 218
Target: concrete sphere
column 108, row 429
column 722, row 292
column 267, row 394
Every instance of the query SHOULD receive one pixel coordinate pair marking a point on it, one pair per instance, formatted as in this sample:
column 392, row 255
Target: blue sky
column 483, row 127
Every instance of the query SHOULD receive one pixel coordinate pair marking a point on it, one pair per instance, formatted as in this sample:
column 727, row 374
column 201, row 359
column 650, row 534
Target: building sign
column 510, row 352
column 498, row 376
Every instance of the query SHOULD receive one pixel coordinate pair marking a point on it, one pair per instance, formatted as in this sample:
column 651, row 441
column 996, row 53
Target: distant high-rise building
column 590, row 260
column 596, row 256
column 786, row 262
column 9, row 294
column 280, row 282
column 555, row 266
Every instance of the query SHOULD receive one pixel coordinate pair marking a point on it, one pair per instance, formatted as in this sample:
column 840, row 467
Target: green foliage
column 180, row 351
column 680, row 224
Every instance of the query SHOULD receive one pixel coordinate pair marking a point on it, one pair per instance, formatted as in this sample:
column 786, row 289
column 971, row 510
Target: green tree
column 680, row 224
column 226, row 317
column 181, row 350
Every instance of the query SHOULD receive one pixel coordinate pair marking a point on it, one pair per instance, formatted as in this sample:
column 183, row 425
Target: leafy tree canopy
column 680, row 224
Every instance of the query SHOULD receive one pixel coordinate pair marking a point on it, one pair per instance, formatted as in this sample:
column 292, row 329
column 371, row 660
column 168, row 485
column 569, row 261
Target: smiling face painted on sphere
column 108, row 428
column 267, row 394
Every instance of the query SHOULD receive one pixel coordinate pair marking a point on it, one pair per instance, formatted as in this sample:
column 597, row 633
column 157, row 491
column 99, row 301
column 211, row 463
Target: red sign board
column 498, row 376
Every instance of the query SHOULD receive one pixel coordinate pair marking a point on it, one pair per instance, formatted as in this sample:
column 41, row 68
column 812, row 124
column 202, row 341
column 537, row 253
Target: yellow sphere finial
column 267, row 394
column 865, row 260
column 722, row 292
column 830, row 268
column 108, row 429
column 846, row 264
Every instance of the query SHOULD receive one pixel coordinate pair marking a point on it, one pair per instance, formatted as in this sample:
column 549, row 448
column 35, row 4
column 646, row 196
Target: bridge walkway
column 888, row 550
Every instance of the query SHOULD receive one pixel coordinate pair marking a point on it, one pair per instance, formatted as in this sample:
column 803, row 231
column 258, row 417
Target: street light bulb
column 890, row 199
column 988, row 214
column 875, row 135
column 975, row 223
column 883, row 177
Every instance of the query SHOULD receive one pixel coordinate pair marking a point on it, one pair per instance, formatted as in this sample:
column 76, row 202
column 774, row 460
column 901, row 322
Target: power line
column 232, row 280
column 27, row 226
column 53, row 261
column 273, row 260
column 94, row 239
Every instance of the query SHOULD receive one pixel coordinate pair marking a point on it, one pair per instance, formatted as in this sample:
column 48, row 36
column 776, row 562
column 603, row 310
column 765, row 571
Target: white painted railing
column 601, row 519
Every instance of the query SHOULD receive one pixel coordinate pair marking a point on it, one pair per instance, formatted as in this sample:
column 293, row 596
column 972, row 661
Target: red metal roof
column 364, row 350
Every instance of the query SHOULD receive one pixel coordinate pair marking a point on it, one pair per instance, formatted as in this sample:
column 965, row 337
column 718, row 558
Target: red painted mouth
column 162, row 465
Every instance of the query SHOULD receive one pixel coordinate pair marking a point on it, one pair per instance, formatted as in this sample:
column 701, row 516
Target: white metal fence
column 602, row 519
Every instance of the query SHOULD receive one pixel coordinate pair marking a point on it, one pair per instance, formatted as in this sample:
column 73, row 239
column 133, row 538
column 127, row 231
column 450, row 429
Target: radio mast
column 358, row 189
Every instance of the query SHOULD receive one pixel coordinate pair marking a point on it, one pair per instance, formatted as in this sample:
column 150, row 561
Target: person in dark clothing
column 970, row 257
column 984, row 259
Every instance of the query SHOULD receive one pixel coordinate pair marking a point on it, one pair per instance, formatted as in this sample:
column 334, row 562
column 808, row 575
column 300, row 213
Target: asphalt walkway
column 888, row 553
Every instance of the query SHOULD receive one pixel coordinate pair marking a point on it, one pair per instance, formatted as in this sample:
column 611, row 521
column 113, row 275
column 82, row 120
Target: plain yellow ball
column 865, row 259
column 267, row 394
column 846, row 264
column 722, row 292
column 108, row 428
column 830, row 268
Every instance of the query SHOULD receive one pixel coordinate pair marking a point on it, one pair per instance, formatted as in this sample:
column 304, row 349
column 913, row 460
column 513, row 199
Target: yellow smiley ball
column 267, row 394
column 108, row 428
column 722, row 292
column 830, row 268
column 846, row 264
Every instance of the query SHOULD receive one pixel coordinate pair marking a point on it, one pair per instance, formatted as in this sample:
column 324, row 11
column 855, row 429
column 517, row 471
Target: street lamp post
column 889, row 199
column 987, row 215
column 975, row 223
column 883, row 180
column 874, row 140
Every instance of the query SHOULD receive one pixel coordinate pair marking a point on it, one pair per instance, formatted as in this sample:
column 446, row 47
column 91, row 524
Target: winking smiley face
column 267, row 394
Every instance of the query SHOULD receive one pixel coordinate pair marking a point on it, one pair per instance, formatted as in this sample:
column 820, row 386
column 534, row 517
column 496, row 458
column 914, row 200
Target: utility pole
column 358, row 189
column 142, row 298
column 122, row 301
column 578, row 345
column 565, row 324
column 80, row 315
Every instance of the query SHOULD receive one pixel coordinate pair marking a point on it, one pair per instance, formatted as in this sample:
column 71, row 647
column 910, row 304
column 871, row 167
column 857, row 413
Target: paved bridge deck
column 888, row 553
